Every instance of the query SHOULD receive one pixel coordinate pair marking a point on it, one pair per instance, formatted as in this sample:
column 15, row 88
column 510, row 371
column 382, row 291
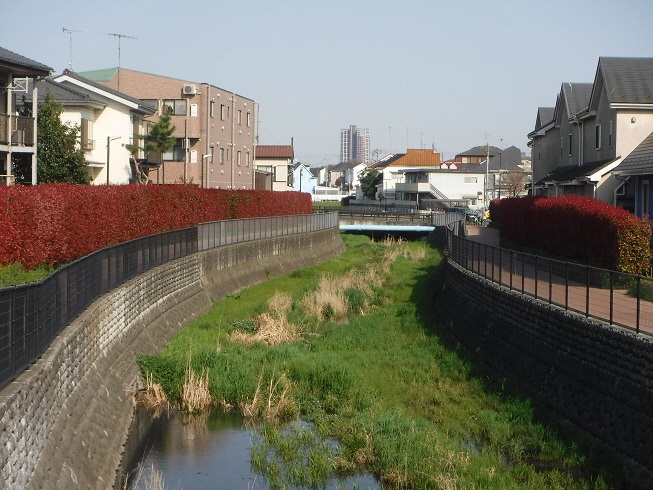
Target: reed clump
column 271, row 400
column 272, row 326
column 152, row 396
column 195, row 394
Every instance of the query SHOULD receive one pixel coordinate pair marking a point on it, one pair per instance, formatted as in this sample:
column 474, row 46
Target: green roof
column 104, row 75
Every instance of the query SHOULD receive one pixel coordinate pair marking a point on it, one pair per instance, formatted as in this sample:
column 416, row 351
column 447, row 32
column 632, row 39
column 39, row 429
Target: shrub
column 578, row 228
column 56, row 223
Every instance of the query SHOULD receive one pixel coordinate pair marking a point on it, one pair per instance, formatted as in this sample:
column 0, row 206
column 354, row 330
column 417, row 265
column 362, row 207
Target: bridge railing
column 32, row 315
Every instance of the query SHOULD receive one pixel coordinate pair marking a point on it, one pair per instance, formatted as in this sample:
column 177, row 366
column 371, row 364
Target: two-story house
column 108, row 121
column 18, row 133
column 215, row 128
column 273, row 165
column 592, row 141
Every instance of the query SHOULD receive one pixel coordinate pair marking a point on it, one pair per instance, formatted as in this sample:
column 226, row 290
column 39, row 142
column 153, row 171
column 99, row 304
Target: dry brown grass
column 195, row 395
column 272, row 403
column 152, row 396
column 273, row 327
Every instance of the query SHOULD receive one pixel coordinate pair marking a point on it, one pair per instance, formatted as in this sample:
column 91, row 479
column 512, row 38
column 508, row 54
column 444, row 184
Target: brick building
column 215, row 128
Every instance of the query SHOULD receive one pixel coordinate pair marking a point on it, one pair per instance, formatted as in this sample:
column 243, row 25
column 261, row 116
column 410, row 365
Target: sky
column 448, row 75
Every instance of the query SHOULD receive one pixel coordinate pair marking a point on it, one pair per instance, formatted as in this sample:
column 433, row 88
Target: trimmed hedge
column 577, row 228
column 57, row 223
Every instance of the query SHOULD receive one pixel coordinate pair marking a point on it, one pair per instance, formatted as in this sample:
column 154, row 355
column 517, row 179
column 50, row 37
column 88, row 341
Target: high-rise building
column 355, row 145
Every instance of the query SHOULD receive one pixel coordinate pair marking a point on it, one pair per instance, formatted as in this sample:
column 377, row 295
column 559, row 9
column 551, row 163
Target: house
column 214, row 127
column 478, row 154
column 108, row 121
column 506, row 174
column 637, row 169
column 18, row 132
column 589, row 136
column 304, row 179
column 273, row 164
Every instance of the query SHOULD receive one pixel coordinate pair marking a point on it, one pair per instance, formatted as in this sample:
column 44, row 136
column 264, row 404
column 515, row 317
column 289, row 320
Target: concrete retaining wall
column 594, row 377
column 64, row 422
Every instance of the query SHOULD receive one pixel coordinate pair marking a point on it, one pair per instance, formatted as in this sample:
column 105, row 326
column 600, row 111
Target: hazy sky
column 417, row 73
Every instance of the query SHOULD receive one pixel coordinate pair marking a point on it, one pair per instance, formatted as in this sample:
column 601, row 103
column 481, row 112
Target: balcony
column 413, row 187
column 16, row 130
column 88, row 145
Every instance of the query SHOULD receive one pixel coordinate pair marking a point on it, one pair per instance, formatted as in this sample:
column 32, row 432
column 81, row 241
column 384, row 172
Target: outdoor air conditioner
column 189, row 89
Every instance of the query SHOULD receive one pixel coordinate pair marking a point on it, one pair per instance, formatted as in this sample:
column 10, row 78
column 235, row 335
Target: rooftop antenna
column 70, row 47
column 119, row 37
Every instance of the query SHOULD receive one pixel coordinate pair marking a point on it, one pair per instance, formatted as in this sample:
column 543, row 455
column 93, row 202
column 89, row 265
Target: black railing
column 32, row 315
column 614, row 297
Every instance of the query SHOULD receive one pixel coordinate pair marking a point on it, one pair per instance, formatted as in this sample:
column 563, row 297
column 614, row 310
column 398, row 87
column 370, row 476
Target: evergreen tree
column 158, row 140
column 369, row 178
column 59, row 157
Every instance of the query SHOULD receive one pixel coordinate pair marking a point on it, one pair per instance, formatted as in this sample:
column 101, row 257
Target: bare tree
column 513, row 183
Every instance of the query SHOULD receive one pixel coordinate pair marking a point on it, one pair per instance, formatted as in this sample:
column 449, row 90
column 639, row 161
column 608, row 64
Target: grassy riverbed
column 371, row 368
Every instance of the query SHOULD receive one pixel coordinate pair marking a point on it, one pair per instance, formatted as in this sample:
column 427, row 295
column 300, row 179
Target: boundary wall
column 595, row 378
column 64, row 422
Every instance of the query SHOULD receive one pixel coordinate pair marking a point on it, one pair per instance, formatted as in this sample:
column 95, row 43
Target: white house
column 303, row 179
column 109, row 120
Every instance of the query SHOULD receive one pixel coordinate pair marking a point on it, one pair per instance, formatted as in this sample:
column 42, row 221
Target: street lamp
column 109, row 140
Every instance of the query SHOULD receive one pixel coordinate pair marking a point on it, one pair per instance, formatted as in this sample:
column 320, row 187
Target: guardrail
column 32, row 315
column 610, row 296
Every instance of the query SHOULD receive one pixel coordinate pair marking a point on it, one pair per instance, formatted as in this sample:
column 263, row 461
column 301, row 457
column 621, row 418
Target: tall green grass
column 14, row 274
column 388, row 385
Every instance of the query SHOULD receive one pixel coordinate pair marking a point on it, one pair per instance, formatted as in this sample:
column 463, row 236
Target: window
column 597, row 136
column 175, row 107
column 238, row 158
column 212, row 109
column 561, row 145
column 228, row 155
column 87, row 142
column 249, row 119
column 571, row 139
column 610, row 136
column 471, row 180
column 240, row 117
column 645, row 198
column 222, row 112
column 152, row 102
column 177, row 153
column 247, row 160
column 221, row 156
column 212, row 153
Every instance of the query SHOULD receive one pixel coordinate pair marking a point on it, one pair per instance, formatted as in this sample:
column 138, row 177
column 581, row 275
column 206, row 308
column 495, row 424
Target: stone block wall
column 592, row 376
column 64, row 422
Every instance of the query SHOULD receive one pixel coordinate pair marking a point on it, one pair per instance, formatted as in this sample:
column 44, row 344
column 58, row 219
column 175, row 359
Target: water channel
column 205, row 452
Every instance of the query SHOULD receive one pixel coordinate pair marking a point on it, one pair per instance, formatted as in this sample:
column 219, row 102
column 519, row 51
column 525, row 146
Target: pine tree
column 158, row 140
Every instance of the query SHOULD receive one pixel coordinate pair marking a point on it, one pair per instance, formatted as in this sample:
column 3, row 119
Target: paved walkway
column 553, row 288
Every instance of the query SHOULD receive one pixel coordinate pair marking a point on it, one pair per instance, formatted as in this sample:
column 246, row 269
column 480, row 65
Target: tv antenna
column 119, row 37
column 70, row 42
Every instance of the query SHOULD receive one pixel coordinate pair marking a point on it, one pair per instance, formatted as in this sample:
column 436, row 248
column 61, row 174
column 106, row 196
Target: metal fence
column 610, row 296
column 32, row 315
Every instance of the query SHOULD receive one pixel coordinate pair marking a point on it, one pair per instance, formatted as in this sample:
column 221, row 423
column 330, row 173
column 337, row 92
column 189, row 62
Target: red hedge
column 577, row 228
column 55, row 223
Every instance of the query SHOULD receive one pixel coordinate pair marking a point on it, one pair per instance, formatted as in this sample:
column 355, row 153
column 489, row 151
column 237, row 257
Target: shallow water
column 209, row 452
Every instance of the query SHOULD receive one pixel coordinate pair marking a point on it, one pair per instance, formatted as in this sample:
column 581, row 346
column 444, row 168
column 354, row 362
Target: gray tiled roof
column 509, row 160
column 143, row 107
column 568, row 173
column 11, row 58
column 60, row 93
column 544, row 116
column 577, row 96
column 628, row 80
column 480, row 151
column 640, row 160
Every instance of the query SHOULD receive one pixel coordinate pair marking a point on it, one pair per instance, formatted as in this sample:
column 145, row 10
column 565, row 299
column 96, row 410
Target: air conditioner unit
column 189, row 89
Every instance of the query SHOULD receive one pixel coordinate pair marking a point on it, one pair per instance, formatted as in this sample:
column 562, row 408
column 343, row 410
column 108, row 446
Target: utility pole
column 119, row 37
column 70, row 45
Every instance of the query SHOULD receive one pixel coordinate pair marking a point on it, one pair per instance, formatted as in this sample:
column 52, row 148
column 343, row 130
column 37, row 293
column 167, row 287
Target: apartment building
column 215, row 128
column 355, row 145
